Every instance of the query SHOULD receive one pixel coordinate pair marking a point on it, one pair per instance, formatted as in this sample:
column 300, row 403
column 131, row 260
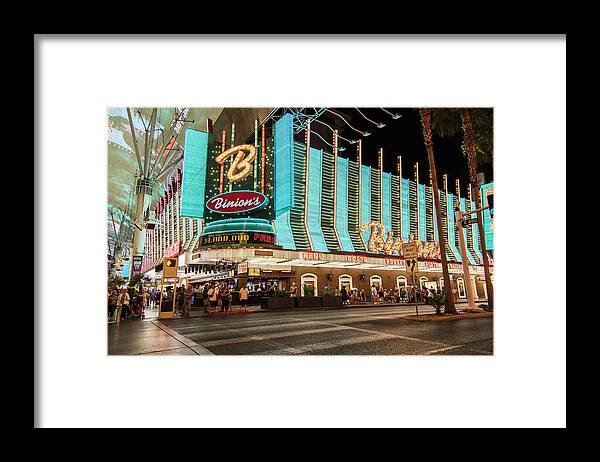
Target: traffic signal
column 490, row 199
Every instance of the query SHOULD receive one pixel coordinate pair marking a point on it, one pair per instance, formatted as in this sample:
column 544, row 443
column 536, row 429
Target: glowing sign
column 237, row 201
column 391, row 246
column 377, row 243
column 311, row 256
column 241, row 166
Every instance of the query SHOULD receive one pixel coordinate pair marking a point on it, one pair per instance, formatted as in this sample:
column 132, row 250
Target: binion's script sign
column 237, row 201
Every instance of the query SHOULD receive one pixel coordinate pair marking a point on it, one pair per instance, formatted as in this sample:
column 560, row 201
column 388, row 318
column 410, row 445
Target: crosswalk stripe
column 251, row 338
column 326, row 345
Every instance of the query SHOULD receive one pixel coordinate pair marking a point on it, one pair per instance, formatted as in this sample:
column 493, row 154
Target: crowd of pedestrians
column 131, row 303
column 128, row 303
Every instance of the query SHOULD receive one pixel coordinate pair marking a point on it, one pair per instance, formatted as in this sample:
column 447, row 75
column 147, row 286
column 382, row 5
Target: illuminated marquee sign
column 237, row 239
column 394, row 261
column 378, row 242
column 311, row 256
column 389, row 245
column 241, row 166
column 237, row 201
column 356, row 258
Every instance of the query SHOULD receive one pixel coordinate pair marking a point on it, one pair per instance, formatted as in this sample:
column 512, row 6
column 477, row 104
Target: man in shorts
column 244, row 298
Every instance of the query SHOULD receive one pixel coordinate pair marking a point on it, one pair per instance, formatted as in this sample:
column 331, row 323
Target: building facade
column 292, row 213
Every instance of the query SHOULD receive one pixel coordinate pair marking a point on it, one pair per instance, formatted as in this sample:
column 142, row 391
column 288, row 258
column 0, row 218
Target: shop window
column 345, row 280
column 460, row 283
column 422, row 280
column 401, row 281
column 375, row 280
column 310, row 280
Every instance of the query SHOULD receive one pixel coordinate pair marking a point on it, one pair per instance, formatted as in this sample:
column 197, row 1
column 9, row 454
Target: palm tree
column 136, row 280
column 427, row 135
column 117, row 281
column 477, row 147
column 469, row 148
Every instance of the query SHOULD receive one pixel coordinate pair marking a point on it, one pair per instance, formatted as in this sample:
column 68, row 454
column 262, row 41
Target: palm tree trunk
column 426, row 121
column 469, row 147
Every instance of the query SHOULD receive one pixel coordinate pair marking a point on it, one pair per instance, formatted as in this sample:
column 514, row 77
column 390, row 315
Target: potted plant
column 330, row 299
column 308, row 299
column 280, row 299
column 309, row 291
column 438, row 301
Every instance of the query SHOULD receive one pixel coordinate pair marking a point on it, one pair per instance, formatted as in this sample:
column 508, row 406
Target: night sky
column 400, row 136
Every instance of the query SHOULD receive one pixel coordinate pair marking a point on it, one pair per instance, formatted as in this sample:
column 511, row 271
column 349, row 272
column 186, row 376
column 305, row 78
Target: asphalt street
column 372, row 330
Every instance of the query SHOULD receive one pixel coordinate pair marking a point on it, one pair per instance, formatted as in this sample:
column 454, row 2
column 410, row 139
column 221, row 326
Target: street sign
column 411, row 265
column 409, row 250
column 469, row 221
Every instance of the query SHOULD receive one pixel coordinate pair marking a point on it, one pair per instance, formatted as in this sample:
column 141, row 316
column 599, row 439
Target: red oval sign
column 237, row 201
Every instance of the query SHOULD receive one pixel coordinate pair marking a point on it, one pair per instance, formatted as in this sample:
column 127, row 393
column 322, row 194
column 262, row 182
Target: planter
column 279, row 302
column 331, row 300
column 308, row 302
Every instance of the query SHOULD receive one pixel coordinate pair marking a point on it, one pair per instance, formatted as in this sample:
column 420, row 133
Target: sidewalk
column 197, row 311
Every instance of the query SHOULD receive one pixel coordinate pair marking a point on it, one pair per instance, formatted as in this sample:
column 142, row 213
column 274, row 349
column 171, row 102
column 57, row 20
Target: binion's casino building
column 274, row 210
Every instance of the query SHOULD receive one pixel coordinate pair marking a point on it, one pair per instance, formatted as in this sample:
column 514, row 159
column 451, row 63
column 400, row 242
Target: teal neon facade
column 386, row 196
column 284, row 181
column 487, row 219
column 387, row 201
column 365, row 200
column 341, row 209
column 422, row 214
column 314, row 200
column 317, row 205
column 195, row 156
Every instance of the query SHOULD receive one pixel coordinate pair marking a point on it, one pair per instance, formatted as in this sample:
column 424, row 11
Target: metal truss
column 304, row 116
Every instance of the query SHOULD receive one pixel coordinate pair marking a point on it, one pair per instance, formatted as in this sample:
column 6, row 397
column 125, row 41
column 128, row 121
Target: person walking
column 112, row 302
column 122, row 305
column 145, row 298
column 363, row 296
column 344, row 295
column 293, row 290
column 212, row 296
column 151, row 298
column 187, row 300
column 226, row 299
column 219, row 292
column 244, row 298
column 205, row 298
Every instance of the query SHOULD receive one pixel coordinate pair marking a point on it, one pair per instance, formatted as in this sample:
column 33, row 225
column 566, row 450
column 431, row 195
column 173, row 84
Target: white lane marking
column 454, row 347
column 259, row 327
column 198, row 349
column 385, row 333
column 326, row 345
column 281, row 320
column 251, row 338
